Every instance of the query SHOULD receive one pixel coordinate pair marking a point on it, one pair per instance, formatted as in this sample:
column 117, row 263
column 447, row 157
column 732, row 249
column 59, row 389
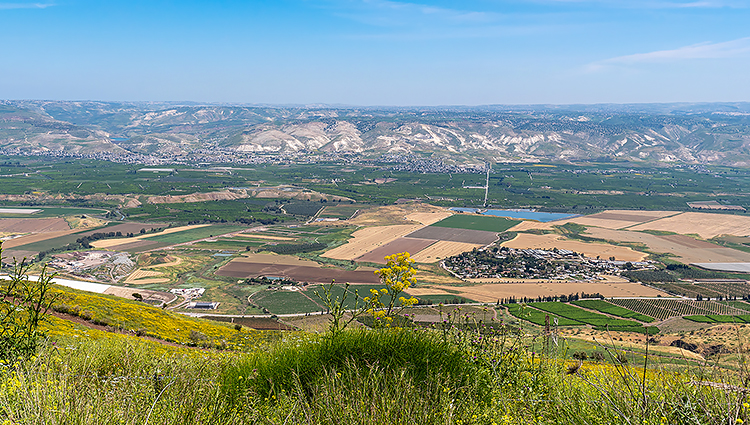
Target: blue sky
column 377, row 52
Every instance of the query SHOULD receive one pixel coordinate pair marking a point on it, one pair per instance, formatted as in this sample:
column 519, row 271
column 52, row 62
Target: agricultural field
column 539, row 317
column 441, row 250
column 32, row 225
column 619, row 219
column 479, row 237
column 476, row 222
column 47, row 212
column 665, row 308
column 599, row 321
column 299, row 270
column 491, row 292
column 611, row 309
column 403, row 244
column 341, row 211
column 369, row 238
column 683, row 248
column 705, row 225
column 589, row 249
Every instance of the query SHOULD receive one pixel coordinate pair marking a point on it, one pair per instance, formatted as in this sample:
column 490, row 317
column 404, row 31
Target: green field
column 476, row 222
column 195, row 234
column 538, row 317
column 599, row 321
column 605, row 307
column 286, row 302
column 717, row 318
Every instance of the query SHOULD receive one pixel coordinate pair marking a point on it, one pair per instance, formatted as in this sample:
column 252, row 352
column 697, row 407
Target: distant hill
column 716, row 133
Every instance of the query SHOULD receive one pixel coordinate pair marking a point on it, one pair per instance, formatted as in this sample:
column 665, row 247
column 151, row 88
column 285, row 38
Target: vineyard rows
column 614, row 310
column 663, row 309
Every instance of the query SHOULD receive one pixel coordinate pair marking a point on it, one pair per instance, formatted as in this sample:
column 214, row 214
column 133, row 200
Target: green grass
column 599, row 321
column 286, row 302
column 537, row 317
column 476, row 222
column 385, row 376
column 605, row 307
column 195, row 234
column 718, row 318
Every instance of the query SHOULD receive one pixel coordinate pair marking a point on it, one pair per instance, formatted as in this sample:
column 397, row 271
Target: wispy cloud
column 397, row 13
column 9, row 6
column 726, row 49
column 649, row 4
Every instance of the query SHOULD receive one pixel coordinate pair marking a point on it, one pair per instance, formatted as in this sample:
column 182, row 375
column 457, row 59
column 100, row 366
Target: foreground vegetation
column 386, row 376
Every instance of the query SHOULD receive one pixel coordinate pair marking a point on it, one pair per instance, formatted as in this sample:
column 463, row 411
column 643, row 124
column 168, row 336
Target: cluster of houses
column 557, row 264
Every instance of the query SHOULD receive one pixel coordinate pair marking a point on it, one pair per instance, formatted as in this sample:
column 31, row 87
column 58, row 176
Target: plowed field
column 369, row 238
column 409, row 245
column 243, row 269
column 32, row 225
column 479, row 237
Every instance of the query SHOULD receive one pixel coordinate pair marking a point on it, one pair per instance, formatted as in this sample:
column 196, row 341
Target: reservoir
column 522, row 214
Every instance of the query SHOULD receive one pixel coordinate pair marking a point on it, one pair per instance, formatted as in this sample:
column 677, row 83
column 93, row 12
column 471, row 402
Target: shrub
column 23, row 305
column 422, row 355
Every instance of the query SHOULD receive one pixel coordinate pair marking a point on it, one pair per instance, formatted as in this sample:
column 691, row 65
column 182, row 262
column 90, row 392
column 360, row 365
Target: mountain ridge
column 702, row 133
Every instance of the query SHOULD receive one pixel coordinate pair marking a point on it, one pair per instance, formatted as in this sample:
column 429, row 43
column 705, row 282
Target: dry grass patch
column 397, row 214
column 618, row 219
column 592, row 250
column 705, row 225
column 428, row 218
column 441, row 250
column 683, row 248
column 84, row 222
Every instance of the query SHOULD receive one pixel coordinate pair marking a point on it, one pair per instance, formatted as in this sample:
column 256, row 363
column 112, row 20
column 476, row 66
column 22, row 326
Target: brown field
column 369, row 238
column 32, row 225
column 9, row 255
column 254, row 236
column 111, row 243
column 428, row 218
column 138, row 246
column 683, row 248
column 480, row 237
column 706, row 225
column 275, row 259
column 493, row 291
column 592, row 250
column 37, row 237
column 618, row 219
column 442, row 249
column 244, row 269
column 409, row 245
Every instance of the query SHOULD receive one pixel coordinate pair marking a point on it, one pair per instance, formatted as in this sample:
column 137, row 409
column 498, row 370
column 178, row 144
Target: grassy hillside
column 142, row 319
